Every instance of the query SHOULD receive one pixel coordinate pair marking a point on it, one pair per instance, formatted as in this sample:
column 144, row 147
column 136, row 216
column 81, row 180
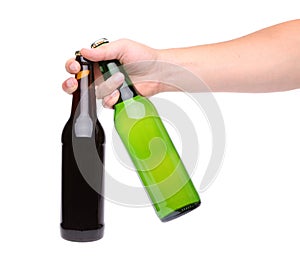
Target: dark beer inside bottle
column 82, row 164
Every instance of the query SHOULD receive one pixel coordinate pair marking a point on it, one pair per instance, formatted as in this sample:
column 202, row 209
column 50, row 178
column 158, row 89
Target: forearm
column 265, row 61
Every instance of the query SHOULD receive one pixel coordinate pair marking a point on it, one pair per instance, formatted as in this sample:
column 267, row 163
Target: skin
column 264, row 61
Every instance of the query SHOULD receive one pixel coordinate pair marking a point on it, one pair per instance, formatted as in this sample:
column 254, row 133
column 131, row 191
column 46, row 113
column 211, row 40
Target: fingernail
column 73, row 66
column 114, row 93
column 118, row 77
column 70, row 83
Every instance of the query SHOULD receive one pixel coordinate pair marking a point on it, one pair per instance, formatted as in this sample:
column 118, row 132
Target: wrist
column 169, row 56
column 167, row 65
column 175, row 63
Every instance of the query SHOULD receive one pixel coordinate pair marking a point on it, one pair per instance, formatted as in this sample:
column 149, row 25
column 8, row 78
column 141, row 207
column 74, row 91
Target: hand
column 138, row 60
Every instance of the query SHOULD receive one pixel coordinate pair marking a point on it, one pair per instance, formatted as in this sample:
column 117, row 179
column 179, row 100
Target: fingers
column 110, row 85
column 70, row 85
column 72, row 66
column 107, row 90
column 110, row 100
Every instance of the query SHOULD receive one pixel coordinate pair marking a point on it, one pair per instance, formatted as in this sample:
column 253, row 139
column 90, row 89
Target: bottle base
column 81, row 235
column 177, row 213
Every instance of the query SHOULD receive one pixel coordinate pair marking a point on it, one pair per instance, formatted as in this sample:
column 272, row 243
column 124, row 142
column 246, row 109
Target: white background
column 249, row 216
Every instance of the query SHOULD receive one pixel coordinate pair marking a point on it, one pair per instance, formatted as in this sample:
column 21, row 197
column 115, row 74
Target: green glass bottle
column 147, row 141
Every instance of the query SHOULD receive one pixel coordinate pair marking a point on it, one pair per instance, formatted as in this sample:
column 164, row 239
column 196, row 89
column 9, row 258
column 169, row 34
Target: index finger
column 72, row 66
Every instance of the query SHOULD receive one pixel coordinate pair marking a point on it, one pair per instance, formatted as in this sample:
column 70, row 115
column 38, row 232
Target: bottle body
column 83, row 148
column 158, row 164
column 82, row 209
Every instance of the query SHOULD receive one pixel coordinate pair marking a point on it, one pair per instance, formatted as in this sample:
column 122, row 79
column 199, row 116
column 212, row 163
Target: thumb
column 109, row 51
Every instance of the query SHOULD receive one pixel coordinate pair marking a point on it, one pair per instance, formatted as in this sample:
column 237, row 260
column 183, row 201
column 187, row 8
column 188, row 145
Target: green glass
column 158, row 164
column 151, row 149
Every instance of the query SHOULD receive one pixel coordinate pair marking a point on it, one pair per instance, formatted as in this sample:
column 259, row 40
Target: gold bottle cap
column 77, row 53
column 99, row 42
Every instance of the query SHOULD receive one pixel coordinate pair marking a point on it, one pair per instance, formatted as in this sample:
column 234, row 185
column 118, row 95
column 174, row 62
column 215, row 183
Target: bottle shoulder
column 136, row 107
column 68, row 132
column 99, row 133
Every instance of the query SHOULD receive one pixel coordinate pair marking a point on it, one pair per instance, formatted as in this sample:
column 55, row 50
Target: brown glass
column 82, row 213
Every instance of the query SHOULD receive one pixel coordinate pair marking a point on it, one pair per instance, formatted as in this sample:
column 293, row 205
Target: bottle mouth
column 99, row 42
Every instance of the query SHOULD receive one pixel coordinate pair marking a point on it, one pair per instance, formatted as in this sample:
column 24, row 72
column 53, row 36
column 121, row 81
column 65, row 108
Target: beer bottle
column 82, row 163
column 158, row 164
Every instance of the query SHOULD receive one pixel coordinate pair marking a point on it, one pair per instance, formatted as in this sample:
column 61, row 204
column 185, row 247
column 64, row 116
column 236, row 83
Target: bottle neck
column 84, row 99
column 127, row 89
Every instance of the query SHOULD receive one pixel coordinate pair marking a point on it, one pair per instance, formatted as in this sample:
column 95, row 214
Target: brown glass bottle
column 83, row 139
